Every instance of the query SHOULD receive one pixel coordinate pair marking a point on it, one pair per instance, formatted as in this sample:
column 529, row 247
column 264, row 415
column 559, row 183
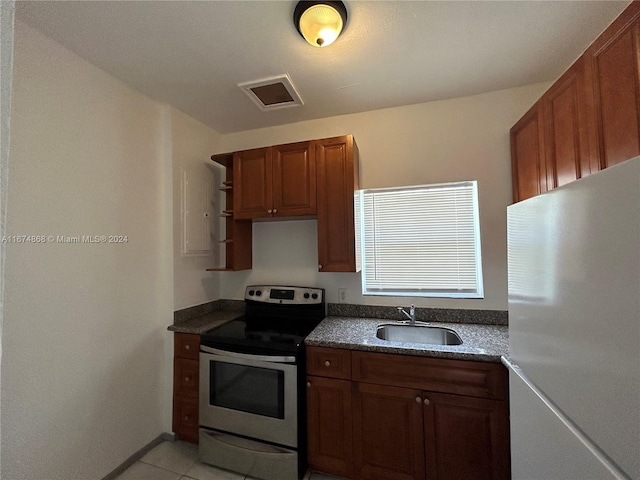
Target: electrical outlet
column 342, row 295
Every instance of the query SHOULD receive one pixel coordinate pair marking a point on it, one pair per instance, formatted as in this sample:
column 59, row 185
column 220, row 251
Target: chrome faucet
column 411, row 315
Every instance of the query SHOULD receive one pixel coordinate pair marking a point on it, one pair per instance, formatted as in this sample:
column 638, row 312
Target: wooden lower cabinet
column 329, row 425
column 185, row 386
column 468, row 437
column 388, row 428
column 185, row 418
column 402, row 433
column 388, row 433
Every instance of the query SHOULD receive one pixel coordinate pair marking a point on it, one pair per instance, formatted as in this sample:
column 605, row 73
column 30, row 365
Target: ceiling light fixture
column 321, row 22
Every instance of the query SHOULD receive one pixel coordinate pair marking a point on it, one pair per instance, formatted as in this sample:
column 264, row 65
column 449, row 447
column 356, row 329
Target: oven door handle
column 248, row 356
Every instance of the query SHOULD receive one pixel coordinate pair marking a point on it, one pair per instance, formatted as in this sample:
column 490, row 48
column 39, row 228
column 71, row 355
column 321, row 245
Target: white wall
column 85, row 346
column 445, row 141
column 193, row 143
column 6, row 72
column 86, row 367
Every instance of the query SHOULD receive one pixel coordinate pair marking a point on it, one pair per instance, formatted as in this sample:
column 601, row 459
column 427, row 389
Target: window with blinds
column 422, row 241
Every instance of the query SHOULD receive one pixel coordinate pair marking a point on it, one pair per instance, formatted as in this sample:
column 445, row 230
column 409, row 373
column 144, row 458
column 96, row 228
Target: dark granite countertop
column 354, row 327
column 486, row 343
column 204, row 322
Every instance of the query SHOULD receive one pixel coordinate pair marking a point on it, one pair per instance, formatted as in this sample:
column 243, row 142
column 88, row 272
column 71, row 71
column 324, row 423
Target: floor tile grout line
column 168, row 470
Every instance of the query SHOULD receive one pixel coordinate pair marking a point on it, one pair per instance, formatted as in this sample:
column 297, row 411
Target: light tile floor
column 179, row 461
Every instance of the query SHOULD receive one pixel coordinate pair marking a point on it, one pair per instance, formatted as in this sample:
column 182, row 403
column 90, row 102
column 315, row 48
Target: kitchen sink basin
column 418, row 334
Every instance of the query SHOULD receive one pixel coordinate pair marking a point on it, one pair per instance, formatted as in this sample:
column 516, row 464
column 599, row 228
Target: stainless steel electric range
column 252, row 399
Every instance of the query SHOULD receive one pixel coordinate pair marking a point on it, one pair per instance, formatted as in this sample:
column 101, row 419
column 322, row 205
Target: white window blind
column 422, row 241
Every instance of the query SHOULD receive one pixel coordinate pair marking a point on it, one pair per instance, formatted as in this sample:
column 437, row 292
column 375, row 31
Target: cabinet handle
column 187, row 347
column 418, row 400
column 327, row 363
column 269, row 211
column 275, row 210
column 427, row 402
column 308, row 384
column 319, row 267
column 186, row 418
column 186, row 379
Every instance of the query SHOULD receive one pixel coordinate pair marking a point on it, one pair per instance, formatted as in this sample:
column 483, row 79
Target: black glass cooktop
column 260, row 336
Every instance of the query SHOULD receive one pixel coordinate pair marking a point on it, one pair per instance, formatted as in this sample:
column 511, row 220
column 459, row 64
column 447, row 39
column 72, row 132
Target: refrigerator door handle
column 580, row 435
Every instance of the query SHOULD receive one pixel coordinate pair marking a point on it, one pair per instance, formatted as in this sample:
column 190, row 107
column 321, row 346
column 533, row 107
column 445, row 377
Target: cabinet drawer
column 460, row 377
column 185, row 418
column 329, row 362
column 185, row 377
column 186, row 345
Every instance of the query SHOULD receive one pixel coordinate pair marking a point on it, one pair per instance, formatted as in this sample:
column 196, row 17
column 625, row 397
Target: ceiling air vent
column 272, row 93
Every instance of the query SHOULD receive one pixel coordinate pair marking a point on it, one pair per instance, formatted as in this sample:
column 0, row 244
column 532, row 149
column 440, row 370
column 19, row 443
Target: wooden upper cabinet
column 311, row 178
column 238, row 233
column 294, row 179
column 590, row 117
column 549, row 145
column 613, row 68
column 565, row 110
column 528, row 166
column 252, row 184
column 276, row 181
column 338, row 179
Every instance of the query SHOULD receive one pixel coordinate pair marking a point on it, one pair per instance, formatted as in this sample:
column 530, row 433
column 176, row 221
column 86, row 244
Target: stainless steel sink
column 418, row 334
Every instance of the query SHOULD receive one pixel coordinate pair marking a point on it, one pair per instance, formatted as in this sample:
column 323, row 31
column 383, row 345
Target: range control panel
column 284, row 295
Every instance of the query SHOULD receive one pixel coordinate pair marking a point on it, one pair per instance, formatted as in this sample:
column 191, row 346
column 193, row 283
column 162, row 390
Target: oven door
column 248, row 395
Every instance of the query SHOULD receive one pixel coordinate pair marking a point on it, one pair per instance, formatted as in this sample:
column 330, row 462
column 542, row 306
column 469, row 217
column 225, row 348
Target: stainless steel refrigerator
column 574, row 329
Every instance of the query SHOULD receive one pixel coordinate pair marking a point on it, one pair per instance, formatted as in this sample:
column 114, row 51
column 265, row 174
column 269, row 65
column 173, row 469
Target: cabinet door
column 565, row 127
column 388, row 433
column 466, row 437
column 294, row 179
column 252, row 184
column 613, row 62
column 337, row 165
column 329, row 425
column 528, row 156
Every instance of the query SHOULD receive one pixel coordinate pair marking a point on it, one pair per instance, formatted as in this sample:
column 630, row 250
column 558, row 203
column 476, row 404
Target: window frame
column 478, row 293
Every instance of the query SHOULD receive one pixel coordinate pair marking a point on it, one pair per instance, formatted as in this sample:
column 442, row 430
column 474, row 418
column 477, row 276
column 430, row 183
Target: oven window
column 248, row 389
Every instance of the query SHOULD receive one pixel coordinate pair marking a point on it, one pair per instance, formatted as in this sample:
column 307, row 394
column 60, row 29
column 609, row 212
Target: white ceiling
column 193, row 54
